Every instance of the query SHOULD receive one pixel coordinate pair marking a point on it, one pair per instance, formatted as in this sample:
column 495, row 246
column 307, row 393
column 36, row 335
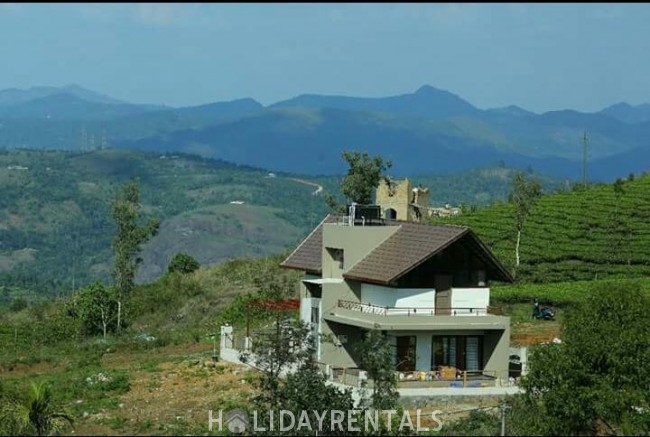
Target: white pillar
column 226, row 337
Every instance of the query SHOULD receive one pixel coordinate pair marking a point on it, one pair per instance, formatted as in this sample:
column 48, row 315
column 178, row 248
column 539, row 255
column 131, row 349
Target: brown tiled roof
column 410, row 246
column 308, row 255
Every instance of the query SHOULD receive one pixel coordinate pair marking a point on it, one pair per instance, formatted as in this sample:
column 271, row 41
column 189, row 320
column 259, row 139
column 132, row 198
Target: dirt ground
column 169, row 392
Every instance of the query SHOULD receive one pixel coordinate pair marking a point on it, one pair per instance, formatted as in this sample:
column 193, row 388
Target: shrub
column 183, row 263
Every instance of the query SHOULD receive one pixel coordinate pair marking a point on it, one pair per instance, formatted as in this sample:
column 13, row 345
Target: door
column 405, row 353
column 443, row 294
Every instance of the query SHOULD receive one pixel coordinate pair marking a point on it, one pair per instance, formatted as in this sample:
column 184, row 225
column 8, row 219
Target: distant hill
column 68, row 106
column 627, row 113
column 426, row 102
column 13, row 96
column 584, row 234
column 429, row 130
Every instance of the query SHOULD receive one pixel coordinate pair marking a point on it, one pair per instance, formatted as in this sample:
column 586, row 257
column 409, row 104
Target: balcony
column 368, row 308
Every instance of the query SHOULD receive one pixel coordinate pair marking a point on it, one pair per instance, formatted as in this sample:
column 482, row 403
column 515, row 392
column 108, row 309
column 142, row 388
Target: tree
column 363, row 177
column 127, row 241
column 377, row 359
column 288, row 349
column 524, row 195
column 183, row 263
column 596, row 380
column 96, row 307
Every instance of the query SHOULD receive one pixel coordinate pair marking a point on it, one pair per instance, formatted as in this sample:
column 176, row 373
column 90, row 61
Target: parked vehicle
column 543, row 312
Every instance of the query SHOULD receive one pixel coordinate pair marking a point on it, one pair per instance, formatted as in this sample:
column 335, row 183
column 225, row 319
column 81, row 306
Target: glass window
column 463, row 352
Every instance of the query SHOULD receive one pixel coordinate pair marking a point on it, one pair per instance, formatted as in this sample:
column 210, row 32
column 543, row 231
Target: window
column 461, row 351
column 337, row 256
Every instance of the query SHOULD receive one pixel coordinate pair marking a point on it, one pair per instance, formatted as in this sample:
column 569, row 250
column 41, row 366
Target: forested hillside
column 56, row 227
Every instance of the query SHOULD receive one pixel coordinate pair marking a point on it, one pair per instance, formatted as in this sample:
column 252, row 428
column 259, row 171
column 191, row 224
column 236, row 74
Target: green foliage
column 284, row 346
column 561, row 293
column 572, row 236
column 363, row 177
column 127, row 241
column 477, row 423
column 37, row 414
column 96, row 309
column 524, row 196
column 597, row 378
column 183, row 263
column 58, row 223
column 18, row 304
column 377, row 359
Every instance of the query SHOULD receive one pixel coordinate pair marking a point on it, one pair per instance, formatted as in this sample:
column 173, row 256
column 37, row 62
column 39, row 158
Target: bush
column 18, row 304
column 183, row 263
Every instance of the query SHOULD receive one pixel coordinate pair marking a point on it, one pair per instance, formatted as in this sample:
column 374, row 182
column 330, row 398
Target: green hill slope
column 594, row 233
column 55, row 222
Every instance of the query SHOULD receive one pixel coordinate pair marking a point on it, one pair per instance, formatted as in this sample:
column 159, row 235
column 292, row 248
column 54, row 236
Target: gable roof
column 404, row 250
column 413, row 244
column 408, row 247
column 308, row 256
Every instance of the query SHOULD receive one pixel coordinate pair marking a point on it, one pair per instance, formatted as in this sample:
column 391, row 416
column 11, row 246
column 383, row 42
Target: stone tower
column 402, row 202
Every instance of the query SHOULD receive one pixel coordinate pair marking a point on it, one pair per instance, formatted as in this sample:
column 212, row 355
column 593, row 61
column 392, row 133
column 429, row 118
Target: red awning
column 277, row 305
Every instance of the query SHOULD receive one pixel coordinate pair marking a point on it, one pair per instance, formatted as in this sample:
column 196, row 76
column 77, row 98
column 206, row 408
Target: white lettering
column 320, row 419
column 352, row 419
column 406, row 417
column 212, row 420
column 283, row 414
column 338, row 421
column 375, row 422
column 435, row 419
column 389, row 420
column 303, row 421
column 255, row 428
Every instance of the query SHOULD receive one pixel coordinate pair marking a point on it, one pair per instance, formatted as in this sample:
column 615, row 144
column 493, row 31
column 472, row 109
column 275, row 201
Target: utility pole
column 503, row 407
column 584, row 158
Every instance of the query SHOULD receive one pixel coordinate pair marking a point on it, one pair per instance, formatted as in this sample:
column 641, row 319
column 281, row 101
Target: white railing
column 369, row 308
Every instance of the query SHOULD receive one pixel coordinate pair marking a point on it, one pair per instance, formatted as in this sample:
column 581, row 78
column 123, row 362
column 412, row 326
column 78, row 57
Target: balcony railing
column 369, row 308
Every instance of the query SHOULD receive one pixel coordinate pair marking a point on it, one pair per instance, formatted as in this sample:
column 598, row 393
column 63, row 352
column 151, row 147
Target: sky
column 537, row 56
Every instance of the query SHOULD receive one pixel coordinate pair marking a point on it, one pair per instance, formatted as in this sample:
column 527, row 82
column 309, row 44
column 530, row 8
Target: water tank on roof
column 364, row 214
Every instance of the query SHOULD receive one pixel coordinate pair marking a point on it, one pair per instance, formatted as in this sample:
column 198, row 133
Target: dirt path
column 319, row 188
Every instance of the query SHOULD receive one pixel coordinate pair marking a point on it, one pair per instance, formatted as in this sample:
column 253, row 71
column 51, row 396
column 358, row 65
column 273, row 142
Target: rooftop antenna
column 585, row 139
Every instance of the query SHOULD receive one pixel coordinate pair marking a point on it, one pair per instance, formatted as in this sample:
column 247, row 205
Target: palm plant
column 39, row 414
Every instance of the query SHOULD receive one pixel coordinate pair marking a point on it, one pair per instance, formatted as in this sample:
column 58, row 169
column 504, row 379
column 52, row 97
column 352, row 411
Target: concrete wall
column 356, row 242
column 470, row 298
column 398, row 297
column 496, row 352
